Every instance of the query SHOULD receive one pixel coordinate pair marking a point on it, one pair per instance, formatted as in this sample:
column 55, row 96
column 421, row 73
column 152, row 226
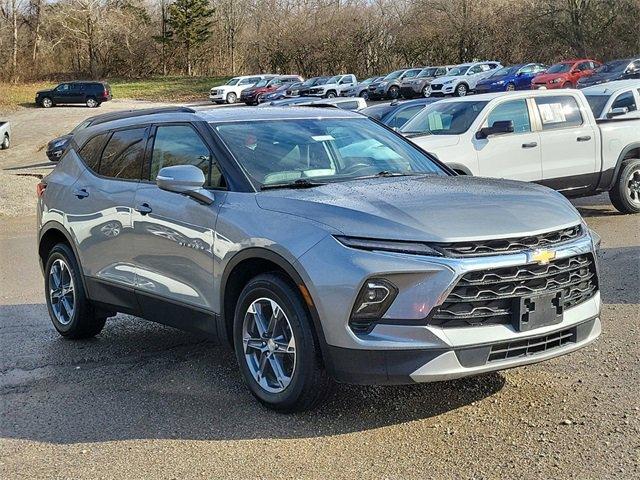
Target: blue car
column 515, row 77
column 395, row 114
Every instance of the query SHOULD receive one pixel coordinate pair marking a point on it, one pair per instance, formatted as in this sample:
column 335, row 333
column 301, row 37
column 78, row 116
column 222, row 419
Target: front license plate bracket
column 538, row 311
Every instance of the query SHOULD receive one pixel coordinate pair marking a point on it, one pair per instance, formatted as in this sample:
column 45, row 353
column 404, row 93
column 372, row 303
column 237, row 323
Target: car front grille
column 531, row 346
column 437, row 86
column 491, row 296
column 511, row 245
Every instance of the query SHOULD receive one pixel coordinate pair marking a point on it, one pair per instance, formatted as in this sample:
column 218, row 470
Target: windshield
column 615, row 66
column 81, row 126
column 560, row 68
column 335, row 79
column 393, row 75
column 597, row 103
column 277, row 152
column 457, row 71
column 377, row 111
column 427, row 72
column 410, row 73
column 233, row 81
column 506, row 71
column 444, row 118
column 263, row 83
column 369, row 80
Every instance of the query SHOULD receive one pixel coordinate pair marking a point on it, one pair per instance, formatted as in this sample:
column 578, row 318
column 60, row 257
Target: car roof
column 487, row 97
column 610, row 88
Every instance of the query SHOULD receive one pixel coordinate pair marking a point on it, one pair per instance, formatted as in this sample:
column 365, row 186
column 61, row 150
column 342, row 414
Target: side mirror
column 185, row 179
column 499, row 127
column 616, row 112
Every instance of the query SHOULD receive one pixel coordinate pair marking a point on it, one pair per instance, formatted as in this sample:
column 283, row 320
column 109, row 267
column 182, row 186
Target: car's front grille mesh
column 511, row 245
column 531, row 346
column 489, row 296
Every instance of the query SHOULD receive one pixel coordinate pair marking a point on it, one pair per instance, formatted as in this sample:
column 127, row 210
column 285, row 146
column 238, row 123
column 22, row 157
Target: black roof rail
column 111, row 116
column 316, row 105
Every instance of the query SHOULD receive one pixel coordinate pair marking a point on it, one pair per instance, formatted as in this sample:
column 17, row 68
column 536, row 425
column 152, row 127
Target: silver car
column 320, row 244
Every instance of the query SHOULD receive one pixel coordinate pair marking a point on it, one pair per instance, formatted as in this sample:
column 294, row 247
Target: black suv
column 92, row 94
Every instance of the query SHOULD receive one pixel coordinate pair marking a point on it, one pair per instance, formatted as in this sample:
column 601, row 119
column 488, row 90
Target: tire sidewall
column 232, row 98
column 276, row 288
column 6, row 142
column 394, row 92
column 92, row 102
column 46, row 102
column 622, row 185
column 458, row 90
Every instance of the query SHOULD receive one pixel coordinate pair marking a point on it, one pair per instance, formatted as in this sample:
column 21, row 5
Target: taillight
column 40, row 189
column 105, row 93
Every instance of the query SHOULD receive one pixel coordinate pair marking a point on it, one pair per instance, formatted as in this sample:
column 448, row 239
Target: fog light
column 374, row 299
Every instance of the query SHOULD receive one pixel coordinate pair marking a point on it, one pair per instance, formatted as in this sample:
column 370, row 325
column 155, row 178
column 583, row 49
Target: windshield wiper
column 299, row 183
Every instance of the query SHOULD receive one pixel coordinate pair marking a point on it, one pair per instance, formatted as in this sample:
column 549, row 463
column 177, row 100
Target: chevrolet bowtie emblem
column 542, row 256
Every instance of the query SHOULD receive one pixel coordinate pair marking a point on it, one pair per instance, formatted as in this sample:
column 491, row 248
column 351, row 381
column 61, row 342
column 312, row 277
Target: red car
column 255, row 95
column 565, row 74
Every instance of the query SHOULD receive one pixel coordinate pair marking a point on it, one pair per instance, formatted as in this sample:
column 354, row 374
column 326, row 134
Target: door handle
column 585, row 138
column 81, row 193
column 143, row 209
column 530, row 145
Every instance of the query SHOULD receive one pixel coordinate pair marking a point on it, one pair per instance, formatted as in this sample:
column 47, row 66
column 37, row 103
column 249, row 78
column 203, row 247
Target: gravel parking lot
column 146, row 401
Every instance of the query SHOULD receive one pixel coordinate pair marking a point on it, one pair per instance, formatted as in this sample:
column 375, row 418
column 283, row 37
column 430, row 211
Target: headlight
column 448, row 82
column 59, row 143
column 501, row 82
column 415, row 248
column 556, row 80
column 382, row 84
column 374, row 299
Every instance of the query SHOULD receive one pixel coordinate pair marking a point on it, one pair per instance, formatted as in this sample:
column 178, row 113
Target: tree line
column 62, row 39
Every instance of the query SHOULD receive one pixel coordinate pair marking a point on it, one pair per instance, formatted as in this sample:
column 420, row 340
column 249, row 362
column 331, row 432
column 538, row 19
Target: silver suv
column 320, row 244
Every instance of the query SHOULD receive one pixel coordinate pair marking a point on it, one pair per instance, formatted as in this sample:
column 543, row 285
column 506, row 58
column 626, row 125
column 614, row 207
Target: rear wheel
column 567, row 85
column 394, row 92
column 70, row 310
column 510, row 87
column 232, row 98
column 275, row 346
column 625, row 194
column 364, row 94
column 6, row 142
column 92, row 102
column 426, row 91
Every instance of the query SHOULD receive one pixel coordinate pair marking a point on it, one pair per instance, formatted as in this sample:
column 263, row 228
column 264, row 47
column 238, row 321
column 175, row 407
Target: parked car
column 514, row 77
column 461, row 79
column 539, row 136
column 361, row 89
column 92, row 94
column 57, row 146
column 399, row 271
column 389, row 86
column 281, row 92
column 303, row 89
column 418, row 86
column 334, row 86
column 350, row 103
column 565, row 74
column 5, row 135
column 396, row 113
column 618, row 99
column 256, row 94
column 230, row 91
column 628, row 68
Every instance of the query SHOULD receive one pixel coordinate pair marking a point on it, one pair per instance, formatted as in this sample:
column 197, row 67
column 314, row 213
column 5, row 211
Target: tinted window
column 446, row 118
column 330, row 149
column 558, row 112
column 63, row 87
column 92, row 150
column 181, row 145
column 476, row 69
column 597, row 103
column 625, row 100
column 516, row 111
column 377, row 111
column 404, row 115
column 124, row 154
column 559, row 68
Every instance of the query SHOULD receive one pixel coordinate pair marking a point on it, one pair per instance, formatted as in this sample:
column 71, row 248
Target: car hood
column 39, row 92
column 409, row 81
column 429, row 142
column 427, row 208
column 444, row 79
column 492, row 80
column 600, row 78
column 545, row 77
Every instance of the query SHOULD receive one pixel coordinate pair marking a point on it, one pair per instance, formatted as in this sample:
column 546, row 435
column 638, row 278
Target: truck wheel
column 70, row 310
column 625, row 194
column 275, row 346
column 330, row 94
column 6, row 142
column 231, row 98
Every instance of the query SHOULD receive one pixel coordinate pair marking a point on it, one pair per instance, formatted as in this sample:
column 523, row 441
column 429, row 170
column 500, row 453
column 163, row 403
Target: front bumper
column 404, row 346
column 443, row 89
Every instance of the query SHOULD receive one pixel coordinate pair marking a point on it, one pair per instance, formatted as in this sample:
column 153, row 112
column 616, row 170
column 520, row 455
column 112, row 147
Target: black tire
column 86, row 321
column 394, row 92
column 462, row 90
column 364, row 94
column 330, row 94
column 6, row 142
column 628, row 180
column 510, row 87
column 309, row 384
column 46, row 102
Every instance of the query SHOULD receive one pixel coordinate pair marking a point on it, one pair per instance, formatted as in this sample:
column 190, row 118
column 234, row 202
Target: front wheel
column 70, row 310
column 364, row 94
column 625, row 194
column 6, row 142
column 232, row 98
column 46, row 102
column 275, row 346
column 331, row 94
column 462, row 90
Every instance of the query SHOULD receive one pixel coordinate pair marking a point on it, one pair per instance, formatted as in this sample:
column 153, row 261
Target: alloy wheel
column 92, row 103
column 47, row 103
column 633, row 186
column 61, row 292
column 510, row 87
column 461, row 90
column 269, row 345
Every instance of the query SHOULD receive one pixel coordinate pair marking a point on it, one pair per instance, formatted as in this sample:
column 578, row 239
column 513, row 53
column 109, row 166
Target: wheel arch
column 246, row 265
column 608, row 177
column 49, row 236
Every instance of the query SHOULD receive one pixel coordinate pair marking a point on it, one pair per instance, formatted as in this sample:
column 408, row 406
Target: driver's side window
column 474, row 70
column 64, row 87
column 515, row 111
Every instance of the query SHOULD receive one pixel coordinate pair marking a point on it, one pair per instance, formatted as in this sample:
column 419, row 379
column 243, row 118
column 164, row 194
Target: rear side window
column 92, row 150
column 515, row 111
column 558, row 112
column 123, row 156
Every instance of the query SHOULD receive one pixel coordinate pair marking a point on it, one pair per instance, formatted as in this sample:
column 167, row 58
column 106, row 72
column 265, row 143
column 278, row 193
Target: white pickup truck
column 546, row 136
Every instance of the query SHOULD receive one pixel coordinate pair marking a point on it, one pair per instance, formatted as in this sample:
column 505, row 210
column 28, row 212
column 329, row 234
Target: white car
column 334, row 86
column 549, row 137
column 230, row 91
column 618, row 99
column 461, row 79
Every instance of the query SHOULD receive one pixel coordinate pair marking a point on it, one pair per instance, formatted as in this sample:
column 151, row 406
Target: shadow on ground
column 140, row 380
